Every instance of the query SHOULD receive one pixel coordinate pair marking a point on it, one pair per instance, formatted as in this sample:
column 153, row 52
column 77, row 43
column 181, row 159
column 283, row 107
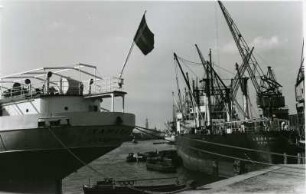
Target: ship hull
column 42, row 171
column 55, row 152
column 207, row 154
column 44, row 151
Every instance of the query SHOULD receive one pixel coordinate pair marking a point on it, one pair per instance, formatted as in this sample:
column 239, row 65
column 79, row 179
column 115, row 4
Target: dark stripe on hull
column 42, row 153
column 47, row 164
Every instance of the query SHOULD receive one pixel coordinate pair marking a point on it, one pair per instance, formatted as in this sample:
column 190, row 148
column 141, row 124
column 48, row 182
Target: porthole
column 66, row 108
column 27, row 110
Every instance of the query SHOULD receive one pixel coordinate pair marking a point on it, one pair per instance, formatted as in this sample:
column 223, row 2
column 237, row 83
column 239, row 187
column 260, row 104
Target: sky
column 58, row 33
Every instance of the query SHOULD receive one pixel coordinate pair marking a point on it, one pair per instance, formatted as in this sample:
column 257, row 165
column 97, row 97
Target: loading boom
column 269, row 96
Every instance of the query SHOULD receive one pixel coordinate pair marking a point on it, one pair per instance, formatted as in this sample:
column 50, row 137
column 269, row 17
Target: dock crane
column 299, row 95
column 269, row 95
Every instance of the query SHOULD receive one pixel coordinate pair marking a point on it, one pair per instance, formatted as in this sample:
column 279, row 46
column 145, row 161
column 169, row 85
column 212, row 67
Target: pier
column 275, row 179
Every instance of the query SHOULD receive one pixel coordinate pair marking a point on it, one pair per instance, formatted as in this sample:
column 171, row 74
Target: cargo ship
column 55, row 120
column 217, row 133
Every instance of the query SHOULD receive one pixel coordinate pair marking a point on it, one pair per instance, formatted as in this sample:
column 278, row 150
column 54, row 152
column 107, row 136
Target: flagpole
column 131, row 49
column 127, row 58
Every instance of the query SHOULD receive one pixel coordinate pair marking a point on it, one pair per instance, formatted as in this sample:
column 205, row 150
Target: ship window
column 66, row 108
column 27, row 110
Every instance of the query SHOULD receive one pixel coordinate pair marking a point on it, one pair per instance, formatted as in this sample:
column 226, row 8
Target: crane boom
column 252, row 67
column 269, row 96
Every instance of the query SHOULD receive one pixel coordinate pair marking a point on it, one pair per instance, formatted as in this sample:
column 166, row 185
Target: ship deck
column 275, row 179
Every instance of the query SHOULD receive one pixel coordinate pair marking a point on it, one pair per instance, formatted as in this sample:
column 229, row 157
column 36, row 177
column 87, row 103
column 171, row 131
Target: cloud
column 229, row 47
column 260, row 43
column 263, row 43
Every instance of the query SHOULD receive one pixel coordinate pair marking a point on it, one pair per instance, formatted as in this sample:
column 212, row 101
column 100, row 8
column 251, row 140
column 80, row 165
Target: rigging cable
column 242, row 159
column 233, row 157
column 217, row 33
column 190, row 69
column 73, row 154
column 196, row 63
column 230, row 146
column 241, row 148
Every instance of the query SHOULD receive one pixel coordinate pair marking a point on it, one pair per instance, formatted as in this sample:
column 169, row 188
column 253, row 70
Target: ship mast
column 192, row 100
column 215, row 87
column 207, row 85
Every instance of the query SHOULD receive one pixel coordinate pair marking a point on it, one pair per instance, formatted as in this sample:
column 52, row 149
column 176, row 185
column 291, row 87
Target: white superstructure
column 54, row 120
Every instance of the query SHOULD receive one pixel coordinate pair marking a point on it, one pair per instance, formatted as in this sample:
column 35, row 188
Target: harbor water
column 114, row 165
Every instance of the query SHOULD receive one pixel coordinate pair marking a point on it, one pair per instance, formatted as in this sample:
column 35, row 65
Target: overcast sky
column 36, row 34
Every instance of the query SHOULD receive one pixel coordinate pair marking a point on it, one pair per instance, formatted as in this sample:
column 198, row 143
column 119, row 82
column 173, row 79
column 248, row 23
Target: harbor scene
column 114, row 165
column 152, row 97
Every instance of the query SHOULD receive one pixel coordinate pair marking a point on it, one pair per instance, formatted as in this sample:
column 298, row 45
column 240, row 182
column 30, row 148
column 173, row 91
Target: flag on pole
column 144, row 38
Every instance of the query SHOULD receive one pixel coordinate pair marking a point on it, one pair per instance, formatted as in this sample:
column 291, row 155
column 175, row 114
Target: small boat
column 160, row 142
column 170, row 138
column 141, row 157
column 160, row 164
column 131, row 158
column 110, row 186
column 134, row 140
column 171, row 155
column 151, row 154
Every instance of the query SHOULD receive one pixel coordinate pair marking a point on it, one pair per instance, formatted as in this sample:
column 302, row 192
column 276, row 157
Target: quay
column 275, row 179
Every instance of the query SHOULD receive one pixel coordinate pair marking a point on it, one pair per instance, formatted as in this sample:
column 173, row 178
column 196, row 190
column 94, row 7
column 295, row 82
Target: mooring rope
column 241, row 159
column 241, row 148
column 235, row 147
column 73, row 154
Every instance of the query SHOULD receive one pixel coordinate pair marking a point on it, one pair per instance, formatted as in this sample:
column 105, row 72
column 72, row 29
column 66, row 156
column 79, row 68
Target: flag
column 144, row 38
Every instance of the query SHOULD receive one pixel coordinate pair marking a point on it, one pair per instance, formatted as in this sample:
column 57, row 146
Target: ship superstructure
column 217, row 134
column 54, row 120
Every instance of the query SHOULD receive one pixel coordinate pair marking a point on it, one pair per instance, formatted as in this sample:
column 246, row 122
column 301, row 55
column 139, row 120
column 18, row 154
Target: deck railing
column 76, row 87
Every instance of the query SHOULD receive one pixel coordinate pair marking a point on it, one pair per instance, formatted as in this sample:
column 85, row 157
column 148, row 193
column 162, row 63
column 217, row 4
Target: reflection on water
column 113, row 165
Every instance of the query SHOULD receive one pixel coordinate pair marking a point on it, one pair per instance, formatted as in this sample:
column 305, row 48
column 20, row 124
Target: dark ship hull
column 227, row 155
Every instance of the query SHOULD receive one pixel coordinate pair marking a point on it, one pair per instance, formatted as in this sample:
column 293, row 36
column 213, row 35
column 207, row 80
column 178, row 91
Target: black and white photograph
column 152, row 97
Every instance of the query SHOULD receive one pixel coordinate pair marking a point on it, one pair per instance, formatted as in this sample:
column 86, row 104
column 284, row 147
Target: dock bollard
column 285, row 158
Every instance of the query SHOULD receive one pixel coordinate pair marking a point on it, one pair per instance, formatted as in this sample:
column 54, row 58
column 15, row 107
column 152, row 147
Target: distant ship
column 54, row 120
column 218, row 136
